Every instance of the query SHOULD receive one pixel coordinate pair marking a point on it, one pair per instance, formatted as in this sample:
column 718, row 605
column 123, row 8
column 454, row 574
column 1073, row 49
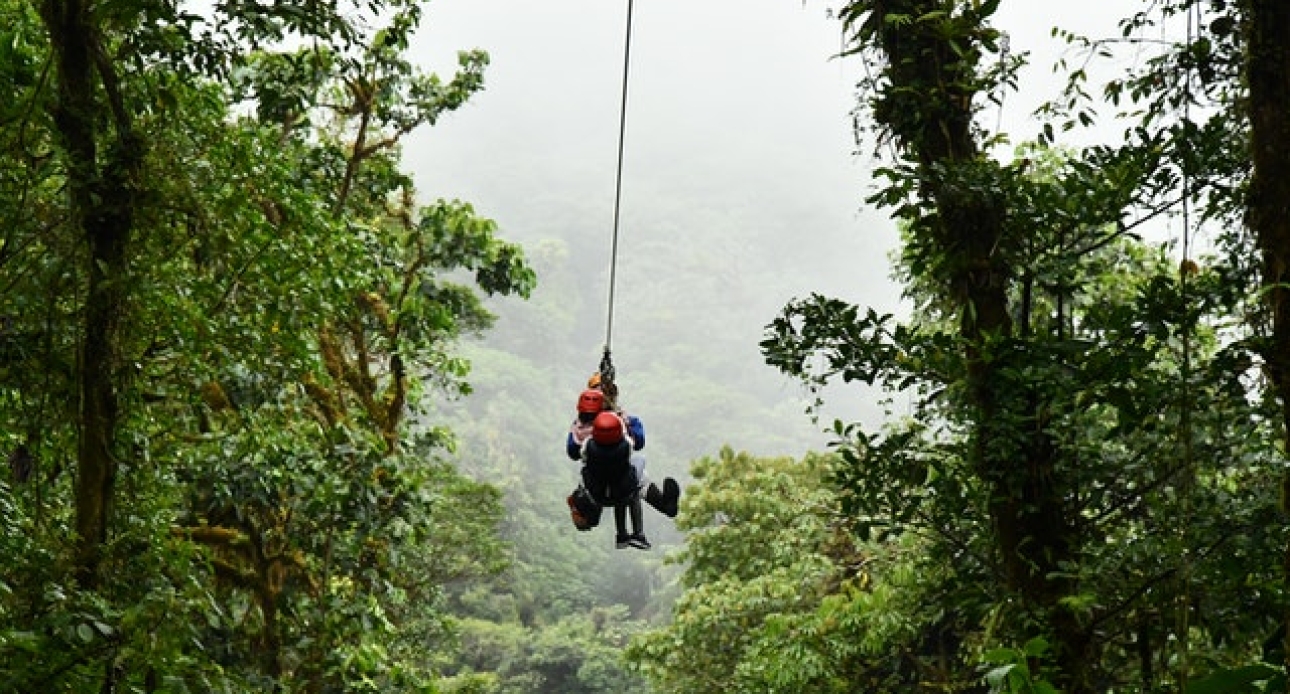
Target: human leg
column 637, row 538
column 638, row 464
column 621, row 537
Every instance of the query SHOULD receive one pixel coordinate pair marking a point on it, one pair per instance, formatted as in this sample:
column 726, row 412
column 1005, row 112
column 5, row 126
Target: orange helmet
column 591, row 401
column 607, row 429
column 594, row 381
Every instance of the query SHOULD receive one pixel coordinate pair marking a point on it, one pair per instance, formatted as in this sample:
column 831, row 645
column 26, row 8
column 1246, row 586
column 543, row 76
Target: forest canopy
column 224, row 304
column 247, row 452
column 1100, row 427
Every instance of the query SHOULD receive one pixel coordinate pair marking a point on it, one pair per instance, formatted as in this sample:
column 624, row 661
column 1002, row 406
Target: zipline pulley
column 606, row 375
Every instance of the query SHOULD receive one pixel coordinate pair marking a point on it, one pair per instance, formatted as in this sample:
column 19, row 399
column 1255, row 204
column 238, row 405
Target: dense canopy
column 247, row 451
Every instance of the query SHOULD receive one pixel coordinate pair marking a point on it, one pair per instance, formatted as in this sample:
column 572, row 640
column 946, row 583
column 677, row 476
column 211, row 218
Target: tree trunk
column 102, row 208
column 928, row 110
column 1268, row 211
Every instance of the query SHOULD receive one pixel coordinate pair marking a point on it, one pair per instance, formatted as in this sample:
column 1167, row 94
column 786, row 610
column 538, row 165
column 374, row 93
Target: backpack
column 583, row 509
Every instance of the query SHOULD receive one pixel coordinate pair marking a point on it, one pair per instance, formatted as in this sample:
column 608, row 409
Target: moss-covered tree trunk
column 1268, row 73
column 101, row 208
column 932, row 49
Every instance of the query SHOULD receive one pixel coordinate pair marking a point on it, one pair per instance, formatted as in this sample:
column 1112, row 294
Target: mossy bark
column 1268, row 207
column 927, row 108
column 100, row 188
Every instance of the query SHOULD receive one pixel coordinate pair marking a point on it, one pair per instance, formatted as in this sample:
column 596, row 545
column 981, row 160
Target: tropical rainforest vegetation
column 247, row 452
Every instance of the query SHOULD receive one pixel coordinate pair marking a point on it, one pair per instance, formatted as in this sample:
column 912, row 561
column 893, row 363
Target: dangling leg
column 637, row 538
column 638, row 465
column 620, row 526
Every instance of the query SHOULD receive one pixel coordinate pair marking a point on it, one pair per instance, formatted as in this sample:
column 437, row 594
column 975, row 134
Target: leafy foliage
column 219, row 256
column 230, row 338
column 1084, row 406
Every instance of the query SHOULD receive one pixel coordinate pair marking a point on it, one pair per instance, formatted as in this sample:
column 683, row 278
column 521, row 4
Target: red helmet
column 591, row 401
column 607, row 430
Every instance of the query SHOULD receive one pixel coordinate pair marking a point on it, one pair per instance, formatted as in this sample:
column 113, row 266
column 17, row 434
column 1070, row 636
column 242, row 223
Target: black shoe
column 663, row 501
column 671, row 496
column 623, row 541
column 638, row 541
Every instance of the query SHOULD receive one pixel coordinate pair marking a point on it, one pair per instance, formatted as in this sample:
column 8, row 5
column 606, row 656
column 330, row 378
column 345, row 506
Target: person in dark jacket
column 610, row 478
column 592, row 402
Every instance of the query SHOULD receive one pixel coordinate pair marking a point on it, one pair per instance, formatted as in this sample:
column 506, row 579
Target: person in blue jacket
column 591, row 405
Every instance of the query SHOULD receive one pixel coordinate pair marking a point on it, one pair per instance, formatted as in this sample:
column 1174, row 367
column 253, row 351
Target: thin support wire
column 618, row 180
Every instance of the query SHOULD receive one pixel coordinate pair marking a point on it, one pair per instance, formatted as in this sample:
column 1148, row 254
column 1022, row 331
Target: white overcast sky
column 717, row 86
column 742, row 97
column 731, row 90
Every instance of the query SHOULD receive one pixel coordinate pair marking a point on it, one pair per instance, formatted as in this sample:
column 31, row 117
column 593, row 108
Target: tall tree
column 1268, row 69
column 242, row 293
column 1089, row 383
column 959, row 221
column 103, row 159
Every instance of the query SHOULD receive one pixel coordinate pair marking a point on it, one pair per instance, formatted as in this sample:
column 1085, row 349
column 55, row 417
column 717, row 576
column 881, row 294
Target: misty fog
column 741, row 188
column 743, row 185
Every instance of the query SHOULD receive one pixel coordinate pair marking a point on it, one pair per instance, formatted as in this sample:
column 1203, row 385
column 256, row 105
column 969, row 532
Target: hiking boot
column 638, row 541
column 623, row 541
column 671, row 495
column 664, row 501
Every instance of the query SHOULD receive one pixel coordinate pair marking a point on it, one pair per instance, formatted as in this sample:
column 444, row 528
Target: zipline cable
column 606, row 370
column 618, row 181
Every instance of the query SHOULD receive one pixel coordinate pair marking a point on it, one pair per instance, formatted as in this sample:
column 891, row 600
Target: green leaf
column 1000, row 655
column 998, row 676
column 1233, row 681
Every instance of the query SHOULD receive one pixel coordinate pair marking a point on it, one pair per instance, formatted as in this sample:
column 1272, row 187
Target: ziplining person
column 609, row 442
